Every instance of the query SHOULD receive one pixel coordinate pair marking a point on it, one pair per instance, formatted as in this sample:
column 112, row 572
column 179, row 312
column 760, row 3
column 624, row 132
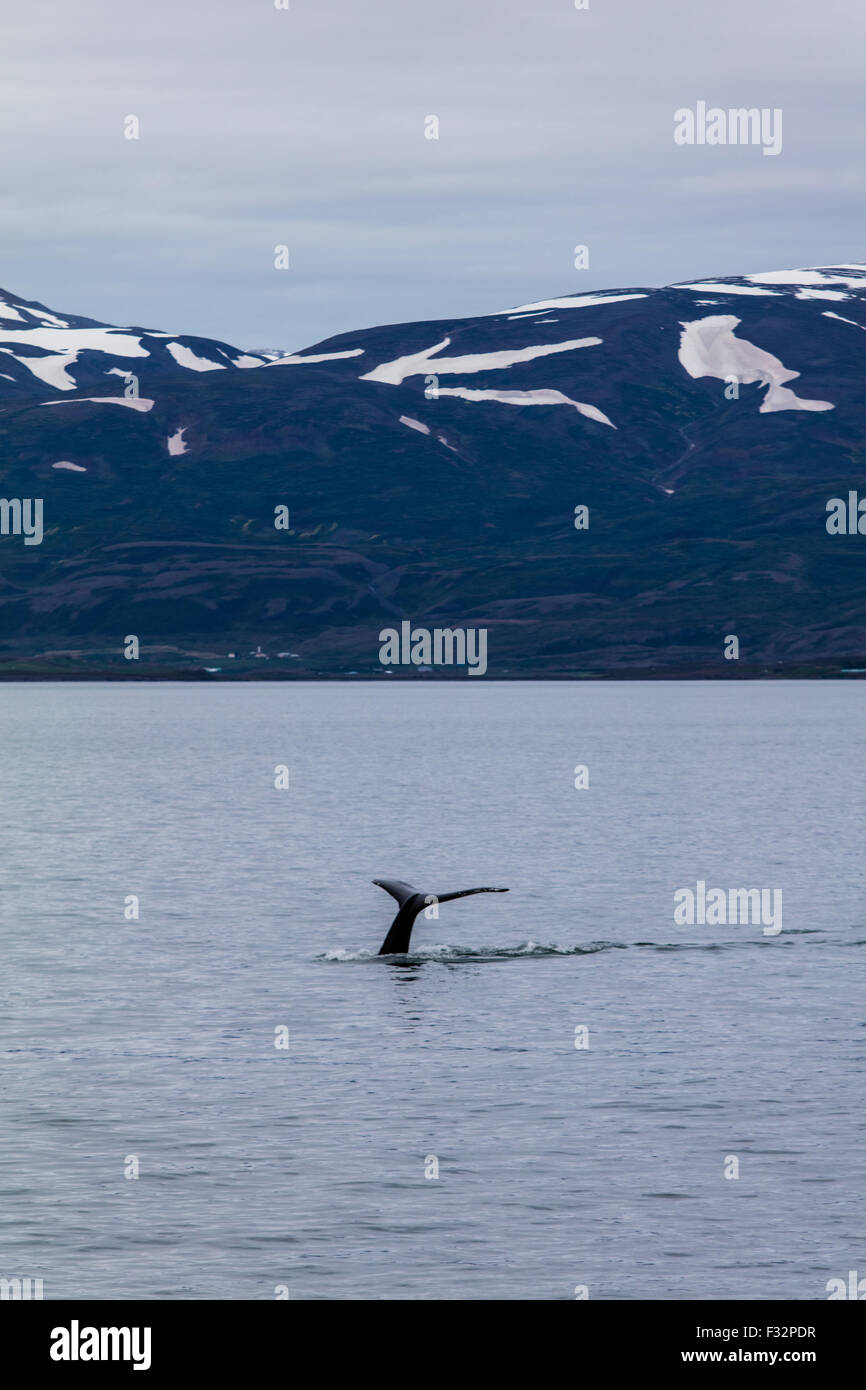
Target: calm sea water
column 600, row 1166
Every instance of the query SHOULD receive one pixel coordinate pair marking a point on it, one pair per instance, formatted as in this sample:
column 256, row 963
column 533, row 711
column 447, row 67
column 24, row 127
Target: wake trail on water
column 532, row 950
column 456, row 954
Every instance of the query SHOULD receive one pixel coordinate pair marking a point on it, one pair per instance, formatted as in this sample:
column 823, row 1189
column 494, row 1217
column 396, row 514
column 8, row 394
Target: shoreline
column 32, row 671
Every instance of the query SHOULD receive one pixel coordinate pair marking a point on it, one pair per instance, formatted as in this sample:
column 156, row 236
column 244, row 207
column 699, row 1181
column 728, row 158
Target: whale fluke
column 411, row 902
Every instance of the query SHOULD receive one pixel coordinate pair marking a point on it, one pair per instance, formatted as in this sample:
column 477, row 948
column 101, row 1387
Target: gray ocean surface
column 558, row 1166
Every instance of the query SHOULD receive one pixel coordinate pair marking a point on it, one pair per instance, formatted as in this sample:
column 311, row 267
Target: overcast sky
column 261, row 126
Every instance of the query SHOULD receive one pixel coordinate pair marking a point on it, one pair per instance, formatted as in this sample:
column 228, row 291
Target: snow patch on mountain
column 540, row 397
column 828, row 314
column 783, row 398
column 821, row 294
column 62, row 346
column 293, row 359
column 51, row 319
column 419, row 363
column 810, row 277
column 573, row 301
column 709, row 347
column 720, row 288
column 115, row 341
column 133, row 402
column 51, row 369
column 185, row 357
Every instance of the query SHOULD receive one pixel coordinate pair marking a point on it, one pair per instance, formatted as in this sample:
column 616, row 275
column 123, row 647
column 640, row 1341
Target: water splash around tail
column 458, row 955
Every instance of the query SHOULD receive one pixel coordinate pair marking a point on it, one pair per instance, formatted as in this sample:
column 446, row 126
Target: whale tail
column 410, row 902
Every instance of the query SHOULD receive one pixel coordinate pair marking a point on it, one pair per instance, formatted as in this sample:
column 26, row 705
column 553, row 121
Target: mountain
column 432, row 471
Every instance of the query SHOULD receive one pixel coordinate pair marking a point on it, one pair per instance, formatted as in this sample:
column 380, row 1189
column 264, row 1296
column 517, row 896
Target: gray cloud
column 261, row 126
